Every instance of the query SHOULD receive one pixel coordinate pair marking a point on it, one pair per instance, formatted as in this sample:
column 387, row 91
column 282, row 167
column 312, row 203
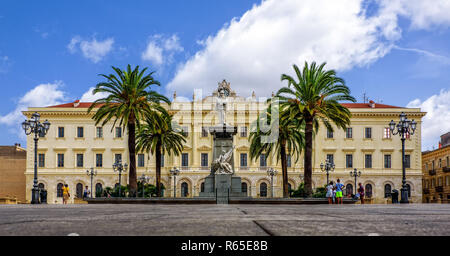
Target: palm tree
column 129, row 99
column 160, row 135
column 313, row 99
column 279, row 135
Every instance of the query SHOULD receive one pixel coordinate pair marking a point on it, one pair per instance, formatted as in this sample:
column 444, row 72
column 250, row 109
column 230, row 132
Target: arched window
column 202, row 187
column 59, row 190
column 79, row 190
column 289, row 189
column 368, row 191
column 244, row 188
column 387, row 190
column 349, row 189
column 184, row 189
column 408, row 188
column 41, row 186
column 263, row 190
column 98, row 189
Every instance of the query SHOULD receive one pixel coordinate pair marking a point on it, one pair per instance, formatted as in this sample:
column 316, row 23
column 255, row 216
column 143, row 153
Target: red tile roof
column 78, row 104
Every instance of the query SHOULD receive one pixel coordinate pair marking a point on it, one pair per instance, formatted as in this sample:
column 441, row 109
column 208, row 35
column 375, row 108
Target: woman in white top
column 330, row 192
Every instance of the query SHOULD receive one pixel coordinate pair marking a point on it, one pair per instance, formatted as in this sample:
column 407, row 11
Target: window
column 184, row 189
column 243, row 159
column 447, row 180
column 118, row 132
column 202, row 187
column 368, row 133
column 79, row 160
column 408, row 161
column 41, row 160
column 263, row 190
column 387, row 161
column 349, row 190
column 244, row 188
column 448, row 162
column 432, row 165
column 349, row 161
column 98, row 190
column 60, row 132
column 117, row 158
column 162, row 160
column 440, row 181
column 59, row 190
column 408, row 188
column 288, row 160
column 204, row 132
column 290, row 189
column 349, row 133
column 99, row 132
column 60, row 160
column 329, row 134
column 368, row 161
column 185, row 159
column 262, row 160
column 204, row 159
column 80, row 132
column 141, row 160
column 185, row 131
column 440, row 163
column 41, row 186
column 244, row 131
column 330, row 158
column 387, row 190
column 368, row 191
column 79, row 190
column 98, row 160
column 387, row 133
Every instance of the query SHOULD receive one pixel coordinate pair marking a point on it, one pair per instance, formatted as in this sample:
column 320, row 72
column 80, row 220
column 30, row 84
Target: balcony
column 426, row 191
column 439, row 189
column 432, row 172
column 446, row 169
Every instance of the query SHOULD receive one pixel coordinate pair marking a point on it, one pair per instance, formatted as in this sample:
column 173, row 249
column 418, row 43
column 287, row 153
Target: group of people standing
column 335, row 192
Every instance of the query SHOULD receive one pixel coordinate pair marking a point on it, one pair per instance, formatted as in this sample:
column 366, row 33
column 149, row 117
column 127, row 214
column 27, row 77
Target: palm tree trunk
column 132, row 154
column 158, row 169
column 308, row 156
column 284, row 170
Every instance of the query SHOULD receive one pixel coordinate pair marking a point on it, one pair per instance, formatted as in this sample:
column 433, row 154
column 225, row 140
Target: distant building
column 12, row 172
column 436, row 172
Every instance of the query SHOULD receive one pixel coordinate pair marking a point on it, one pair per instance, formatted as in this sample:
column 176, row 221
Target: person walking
column 361, row 192
column 330, row 192
column 86, row 192
column 66, row 194
column 339, row 187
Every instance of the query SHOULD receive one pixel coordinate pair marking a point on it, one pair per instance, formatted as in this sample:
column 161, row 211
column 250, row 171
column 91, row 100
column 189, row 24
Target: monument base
column 222, row 187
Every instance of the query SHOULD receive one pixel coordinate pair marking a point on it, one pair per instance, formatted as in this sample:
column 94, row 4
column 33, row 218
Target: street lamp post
column 174, row 172
column 118, row 167
column 327, row 167
column 91, row 173
column 144, row 179
column 34, row 126
column 355, row 174
column 271, row 172
column 404, row 127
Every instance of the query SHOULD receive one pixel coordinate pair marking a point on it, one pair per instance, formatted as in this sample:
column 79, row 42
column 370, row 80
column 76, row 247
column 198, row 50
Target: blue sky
column 397, row 53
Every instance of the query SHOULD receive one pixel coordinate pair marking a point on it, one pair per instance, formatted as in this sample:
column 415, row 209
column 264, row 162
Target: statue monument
column 221, row 182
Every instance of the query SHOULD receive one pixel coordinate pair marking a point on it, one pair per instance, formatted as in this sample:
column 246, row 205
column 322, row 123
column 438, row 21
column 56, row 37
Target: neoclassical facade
column 74, row 144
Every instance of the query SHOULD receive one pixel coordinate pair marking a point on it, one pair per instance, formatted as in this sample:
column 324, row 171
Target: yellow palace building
column 75, row 144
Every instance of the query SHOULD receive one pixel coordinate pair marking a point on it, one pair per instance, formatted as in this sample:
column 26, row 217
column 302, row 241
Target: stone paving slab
column 224, row 220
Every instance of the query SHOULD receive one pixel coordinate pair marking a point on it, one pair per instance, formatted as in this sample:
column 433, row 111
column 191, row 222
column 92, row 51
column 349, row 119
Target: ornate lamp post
column 327, row 167
column 174, row 172
column 34, row 126
column 118, row 167
column 271, row 172
column 144, row 179
column 404, row 127
column 355, row 174
column 91, row 173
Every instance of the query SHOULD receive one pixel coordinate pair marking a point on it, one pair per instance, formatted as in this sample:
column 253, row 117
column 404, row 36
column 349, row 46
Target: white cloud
column 93, row 50
column 254, row 50
column 160, row 49
column 89, row 97
column 437, row 120
column 40, row 96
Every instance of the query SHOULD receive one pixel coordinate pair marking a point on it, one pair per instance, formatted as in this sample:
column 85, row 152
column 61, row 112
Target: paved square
column 234, row 220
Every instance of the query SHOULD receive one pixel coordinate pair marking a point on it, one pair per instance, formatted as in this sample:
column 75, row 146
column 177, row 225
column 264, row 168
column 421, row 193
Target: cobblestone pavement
column 235, row 220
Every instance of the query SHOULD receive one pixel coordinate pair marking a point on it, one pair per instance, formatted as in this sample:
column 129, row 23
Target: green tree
column 274, row 132
column 160, row 135
column 129, row 99
column 312, row 100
